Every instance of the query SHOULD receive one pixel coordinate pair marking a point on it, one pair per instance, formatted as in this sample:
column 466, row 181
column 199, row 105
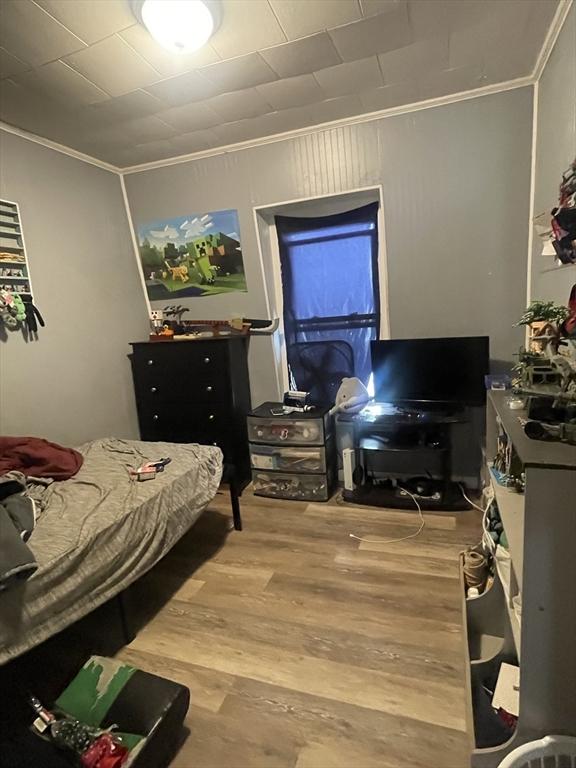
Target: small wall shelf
column 12, row 251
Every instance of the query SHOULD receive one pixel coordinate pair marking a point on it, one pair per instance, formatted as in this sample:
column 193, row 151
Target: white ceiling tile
column 61, row 82
column 114, row 66
column 241, row 130
column 193, row 141
column 428, row 19
column 336, row 109
column 10, row 65
column 299, row 57
column 373, row 7
column 510, row 31
column 91, row 20
column 127, row 107
column 415, row 60
column 39, row 115
column 304, row 17
column 191, row 117
column 239, row 105
column 451, row 81
column 378, row 34
column 183, row 89
column 292, row 92
column 351, row 77
column 138, row 131
column 517, row 56
column 284, row 120
column 470, row 43
column 150, row 151
column 31, row 34
column 389, row 96
column 247, row 26
column 436, row 17
column 239, row 73
column 167, row 63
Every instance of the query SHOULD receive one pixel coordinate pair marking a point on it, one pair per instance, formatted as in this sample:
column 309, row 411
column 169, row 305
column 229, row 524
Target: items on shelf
column 558, row 231
column 168, row 324
column 545, row 375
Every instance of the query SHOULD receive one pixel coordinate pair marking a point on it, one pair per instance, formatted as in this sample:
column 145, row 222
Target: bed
column 101, row 530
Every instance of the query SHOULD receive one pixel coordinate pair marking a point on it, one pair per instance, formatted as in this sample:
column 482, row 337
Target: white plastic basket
column 549, row 752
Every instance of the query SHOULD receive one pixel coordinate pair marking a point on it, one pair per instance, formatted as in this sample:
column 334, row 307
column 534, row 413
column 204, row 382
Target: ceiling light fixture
column 180, row 26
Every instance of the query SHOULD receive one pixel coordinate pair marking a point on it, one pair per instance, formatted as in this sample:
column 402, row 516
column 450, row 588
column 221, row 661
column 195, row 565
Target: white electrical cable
column 487, row 540
column 394, row 541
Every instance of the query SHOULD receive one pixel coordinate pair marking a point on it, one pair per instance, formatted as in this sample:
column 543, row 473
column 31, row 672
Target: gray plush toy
column 352, row 396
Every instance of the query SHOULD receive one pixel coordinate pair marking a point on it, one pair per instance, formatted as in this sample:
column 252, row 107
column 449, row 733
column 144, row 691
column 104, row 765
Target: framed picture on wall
column 192, row 256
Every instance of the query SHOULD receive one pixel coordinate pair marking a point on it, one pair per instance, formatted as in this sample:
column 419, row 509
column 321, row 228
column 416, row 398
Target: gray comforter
column 101, row 530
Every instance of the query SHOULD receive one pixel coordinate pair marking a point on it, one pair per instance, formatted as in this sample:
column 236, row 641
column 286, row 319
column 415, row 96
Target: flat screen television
column 447, row 371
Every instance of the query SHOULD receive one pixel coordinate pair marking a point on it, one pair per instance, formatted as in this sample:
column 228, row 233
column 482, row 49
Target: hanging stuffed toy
column 32, row 314
column 12, row 310
column 352, row 396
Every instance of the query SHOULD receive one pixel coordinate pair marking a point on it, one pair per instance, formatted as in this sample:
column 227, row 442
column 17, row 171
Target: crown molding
column 552, row 36
column 368, row 117
column 64, row 150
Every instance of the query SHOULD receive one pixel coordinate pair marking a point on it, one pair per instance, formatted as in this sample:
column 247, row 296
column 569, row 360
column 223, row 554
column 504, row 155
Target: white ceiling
column 85, row 74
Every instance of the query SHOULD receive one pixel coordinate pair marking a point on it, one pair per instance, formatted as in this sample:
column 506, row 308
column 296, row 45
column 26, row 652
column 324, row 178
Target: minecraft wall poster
column 188, row 256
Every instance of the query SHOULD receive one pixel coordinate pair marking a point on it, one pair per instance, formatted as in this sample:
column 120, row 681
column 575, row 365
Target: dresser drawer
column 182, row 367
column 181, row 422
column 158, row 390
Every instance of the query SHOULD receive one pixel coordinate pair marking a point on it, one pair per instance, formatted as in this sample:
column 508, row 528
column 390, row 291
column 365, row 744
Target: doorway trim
column 269, row 257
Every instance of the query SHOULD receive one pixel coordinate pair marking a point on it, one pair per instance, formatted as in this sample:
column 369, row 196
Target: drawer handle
column 206, row 359
column 153, row 389
column 150, row 362
column 155, row 417
column 211, row 417
column 208, row 388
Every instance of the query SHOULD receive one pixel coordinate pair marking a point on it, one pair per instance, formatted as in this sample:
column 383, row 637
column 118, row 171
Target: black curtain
column 330, row 282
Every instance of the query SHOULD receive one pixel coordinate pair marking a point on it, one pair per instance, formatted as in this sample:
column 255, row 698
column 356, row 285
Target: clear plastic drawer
column 294, row 486
column 285, row 459
column 285, row 431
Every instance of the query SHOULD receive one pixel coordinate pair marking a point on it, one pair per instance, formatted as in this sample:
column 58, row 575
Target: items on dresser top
column 292, row 454
column 196, row 391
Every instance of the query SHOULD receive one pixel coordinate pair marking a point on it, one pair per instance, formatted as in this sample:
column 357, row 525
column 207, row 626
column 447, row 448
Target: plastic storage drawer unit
column 284, row 458
column 291, row 454
column 292, row 486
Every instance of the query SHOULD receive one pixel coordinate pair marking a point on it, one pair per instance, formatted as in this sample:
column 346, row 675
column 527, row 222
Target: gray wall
column 456, row 184
column 74, row 383
column 555, row 150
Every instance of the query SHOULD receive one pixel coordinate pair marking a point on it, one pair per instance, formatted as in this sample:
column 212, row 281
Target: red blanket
column 36, row 457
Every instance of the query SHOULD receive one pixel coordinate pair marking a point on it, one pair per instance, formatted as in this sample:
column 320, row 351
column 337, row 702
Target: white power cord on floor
column 404, row 538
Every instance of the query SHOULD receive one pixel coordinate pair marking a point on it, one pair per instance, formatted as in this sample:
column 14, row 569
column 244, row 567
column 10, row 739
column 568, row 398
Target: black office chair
column 318, row 367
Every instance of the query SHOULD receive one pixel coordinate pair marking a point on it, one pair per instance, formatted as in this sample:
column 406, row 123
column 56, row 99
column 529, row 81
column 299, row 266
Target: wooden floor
column 304, row 648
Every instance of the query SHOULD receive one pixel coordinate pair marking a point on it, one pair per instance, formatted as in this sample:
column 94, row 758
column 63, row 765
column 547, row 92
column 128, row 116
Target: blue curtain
column 330, row 282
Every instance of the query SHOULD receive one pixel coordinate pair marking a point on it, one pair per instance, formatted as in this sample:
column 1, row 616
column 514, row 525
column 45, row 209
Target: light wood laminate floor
column 304, row 648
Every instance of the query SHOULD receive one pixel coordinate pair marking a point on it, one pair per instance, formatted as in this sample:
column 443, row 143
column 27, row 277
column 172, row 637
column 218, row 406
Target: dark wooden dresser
column 195, row 392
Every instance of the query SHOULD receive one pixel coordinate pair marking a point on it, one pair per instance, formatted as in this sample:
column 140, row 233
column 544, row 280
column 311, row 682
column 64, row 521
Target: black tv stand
column 405, row 446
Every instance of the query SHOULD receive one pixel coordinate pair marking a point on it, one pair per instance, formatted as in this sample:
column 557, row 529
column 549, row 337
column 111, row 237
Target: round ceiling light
column 180, row 26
